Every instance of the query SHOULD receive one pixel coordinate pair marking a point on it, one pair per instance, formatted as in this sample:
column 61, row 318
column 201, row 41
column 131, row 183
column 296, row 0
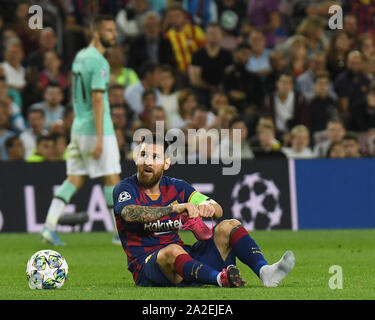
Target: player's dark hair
column 97, row 21
column 157, row 141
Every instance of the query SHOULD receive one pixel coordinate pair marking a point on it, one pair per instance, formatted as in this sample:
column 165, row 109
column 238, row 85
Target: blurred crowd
column 272, row 68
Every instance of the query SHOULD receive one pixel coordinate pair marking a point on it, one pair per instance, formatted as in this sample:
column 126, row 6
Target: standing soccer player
column 93, row 150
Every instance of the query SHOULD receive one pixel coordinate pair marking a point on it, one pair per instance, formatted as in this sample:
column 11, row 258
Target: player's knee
column 168, row 254
column 225, row 227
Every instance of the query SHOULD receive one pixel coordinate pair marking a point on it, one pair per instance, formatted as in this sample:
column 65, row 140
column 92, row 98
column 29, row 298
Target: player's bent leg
column 222, row 236
column 178, row 265
column 166, row 258
column 231, row 235
column 62, row 197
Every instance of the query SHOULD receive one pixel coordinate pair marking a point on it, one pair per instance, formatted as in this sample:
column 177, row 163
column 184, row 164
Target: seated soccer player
column 149, row 207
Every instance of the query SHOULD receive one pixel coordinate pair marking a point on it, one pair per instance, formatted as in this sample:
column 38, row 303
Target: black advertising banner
column 259, row 195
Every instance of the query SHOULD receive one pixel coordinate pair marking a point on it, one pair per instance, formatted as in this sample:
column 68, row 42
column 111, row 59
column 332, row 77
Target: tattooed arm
column 144, row 214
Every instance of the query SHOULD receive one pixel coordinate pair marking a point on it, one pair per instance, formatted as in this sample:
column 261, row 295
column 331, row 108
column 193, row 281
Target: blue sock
column 246, row 249
column 194, row 271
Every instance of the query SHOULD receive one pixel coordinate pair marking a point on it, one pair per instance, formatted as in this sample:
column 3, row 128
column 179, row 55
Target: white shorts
column 81, row 162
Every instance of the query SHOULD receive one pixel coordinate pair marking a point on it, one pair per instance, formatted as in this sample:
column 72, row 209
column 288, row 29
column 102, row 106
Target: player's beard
column 106, row 44
column 148, row 181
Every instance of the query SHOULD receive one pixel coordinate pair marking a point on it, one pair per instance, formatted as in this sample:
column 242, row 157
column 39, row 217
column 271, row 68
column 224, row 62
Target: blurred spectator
column 149, row 80
column 206, row 71
column 119, row 116
column 351, row 29
column 364, row 112
column 218, row 101
column 312, row 28
column 36, row 120
column 14, row 71
column 129, row 20
column 47, row 42
column 187, row 103
column 202, row 12
column 60, row 146
column 169, row 93
column 298, row 59
column 224, row 117
column 278, row 63
column 14, row 148
column 16, row 121
column 351, row 85
column 44, row 150
column 351, row 145
column 230, row 16
column 302, row 8
column 151, row 45
column 243, row 87
column 259, row 61
column 52, row 71
column 29, row 37
column 266, row 145
column 6, row 91
column 148, row 105
column 322, row 106
column 198, row 119
column 339, row 48
column 4, row 132
column 335, row 132
column 305, row 83
column 264, row 15
column 336, row 150
column 51, row 105
column 244, row 152
column 363, row 10
column 120, row 75
column 158, row 114
column 185, row 38
column 366, row 47
column 300, row 137
column 286, row 106
column 116, row 98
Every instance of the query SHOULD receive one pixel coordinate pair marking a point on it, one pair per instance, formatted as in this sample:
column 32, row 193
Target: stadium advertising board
column 259, row 195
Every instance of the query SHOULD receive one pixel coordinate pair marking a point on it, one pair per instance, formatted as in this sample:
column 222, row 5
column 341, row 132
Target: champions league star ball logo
column 256, row 202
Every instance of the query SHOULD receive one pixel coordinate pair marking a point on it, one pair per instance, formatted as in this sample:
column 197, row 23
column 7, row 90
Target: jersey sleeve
column 124, row 194
column 192, row 195
column 100, row 75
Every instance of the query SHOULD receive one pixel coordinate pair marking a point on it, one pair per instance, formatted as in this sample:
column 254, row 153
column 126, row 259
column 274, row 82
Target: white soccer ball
column 46, row 269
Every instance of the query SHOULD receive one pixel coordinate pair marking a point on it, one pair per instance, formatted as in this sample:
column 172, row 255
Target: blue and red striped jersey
column 139, row 239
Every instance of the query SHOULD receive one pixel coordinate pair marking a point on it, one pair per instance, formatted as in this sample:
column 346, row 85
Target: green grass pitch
column 97, row 268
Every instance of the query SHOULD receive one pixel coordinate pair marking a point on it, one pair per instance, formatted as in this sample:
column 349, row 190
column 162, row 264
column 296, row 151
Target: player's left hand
column 206, row 210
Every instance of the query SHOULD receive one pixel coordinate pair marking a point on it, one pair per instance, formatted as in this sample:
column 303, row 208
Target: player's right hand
column 98, row 150
column 189, row 209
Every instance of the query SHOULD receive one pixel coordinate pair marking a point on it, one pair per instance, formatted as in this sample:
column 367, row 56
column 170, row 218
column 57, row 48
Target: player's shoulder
column 127, row 184
column 178, row 183
column 91, row 56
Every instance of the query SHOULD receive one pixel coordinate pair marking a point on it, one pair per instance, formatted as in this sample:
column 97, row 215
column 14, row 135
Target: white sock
column 55, row 210
column 271, row 275
column 219, row 280
column 113, row 219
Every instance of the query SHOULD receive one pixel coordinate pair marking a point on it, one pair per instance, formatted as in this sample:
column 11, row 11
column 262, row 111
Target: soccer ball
column 256, row 202
column 46, row 269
